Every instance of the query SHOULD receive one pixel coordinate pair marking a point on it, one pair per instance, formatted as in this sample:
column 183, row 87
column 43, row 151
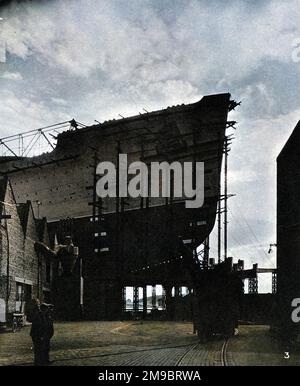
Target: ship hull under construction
column 124, row 241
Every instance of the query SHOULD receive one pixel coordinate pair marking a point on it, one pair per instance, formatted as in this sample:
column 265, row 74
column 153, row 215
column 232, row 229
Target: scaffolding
column 99, row 228
column 34, row 142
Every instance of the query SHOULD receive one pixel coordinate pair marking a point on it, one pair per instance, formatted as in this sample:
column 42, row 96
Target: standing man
column 37, row 331
column 46, row 310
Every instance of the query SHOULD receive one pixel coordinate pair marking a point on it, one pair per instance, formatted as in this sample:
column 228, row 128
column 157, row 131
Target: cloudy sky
column 95, row 59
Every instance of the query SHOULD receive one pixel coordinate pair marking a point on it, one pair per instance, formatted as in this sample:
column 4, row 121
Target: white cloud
column 11, row 75
column 131, row 99
column 59, row 101
column 200, row 42
column 27, row 114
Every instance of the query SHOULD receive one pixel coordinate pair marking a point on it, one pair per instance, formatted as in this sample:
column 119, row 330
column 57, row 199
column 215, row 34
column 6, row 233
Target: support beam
column 163, row 298
column 144, row 301
column 154, row 297
column 180, row 291
column 177, row 291
column 168, row 292
column 8, row 148
column 253, row 285
column 206, row 253
column 274, row 283
column 135, row 300
column 123, row 300
column 225, row 197
column 219, row 228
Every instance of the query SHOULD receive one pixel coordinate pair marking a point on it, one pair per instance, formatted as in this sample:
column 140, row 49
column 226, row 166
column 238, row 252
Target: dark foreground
column 147, row 344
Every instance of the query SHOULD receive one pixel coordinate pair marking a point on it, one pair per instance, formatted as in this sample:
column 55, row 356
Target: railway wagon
column 217, row 295
column 217, row 300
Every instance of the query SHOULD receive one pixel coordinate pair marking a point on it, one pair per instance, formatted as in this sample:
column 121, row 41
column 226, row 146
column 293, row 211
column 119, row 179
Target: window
column 19, row 292
column 23, row 292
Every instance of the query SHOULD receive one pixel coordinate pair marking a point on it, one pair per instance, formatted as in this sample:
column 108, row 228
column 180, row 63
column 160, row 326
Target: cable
column 251, row 230
column 250, row 239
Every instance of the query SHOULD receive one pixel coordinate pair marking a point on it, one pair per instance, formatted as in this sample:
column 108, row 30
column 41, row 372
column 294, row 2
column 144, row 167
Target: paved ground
column 254, row 346
column 145, row 343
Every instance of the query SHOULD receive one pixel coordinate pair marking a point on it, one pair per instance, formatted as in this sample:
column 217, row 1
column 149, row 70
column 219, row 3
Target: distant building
column 23, row 274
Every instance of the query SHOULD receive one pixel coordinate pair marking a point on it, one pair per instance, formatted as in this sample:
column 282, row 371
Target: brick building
column 23, row 273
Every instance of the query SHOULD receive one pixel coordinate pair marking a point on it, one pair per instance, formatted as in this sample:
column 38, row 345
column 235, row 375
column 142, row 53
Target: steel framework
column 34, row 142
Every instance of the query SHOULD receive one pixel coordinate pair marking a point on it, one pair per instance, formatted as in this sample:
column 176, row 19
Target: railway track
column 214, row 353
column 181, row 359
column 224, row 361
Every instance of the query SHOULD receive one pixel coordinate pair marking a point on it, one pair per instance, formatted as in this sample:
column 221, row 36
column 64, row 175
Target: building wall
column 23, row 260
column 15, row 250
column 257, row 308
column 288, row 224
